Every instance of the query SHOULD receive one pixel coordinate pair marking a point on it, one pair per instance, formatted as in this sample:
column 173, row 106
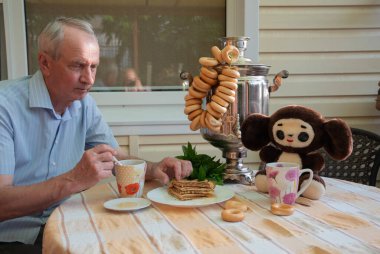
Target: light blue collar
column 39, row 98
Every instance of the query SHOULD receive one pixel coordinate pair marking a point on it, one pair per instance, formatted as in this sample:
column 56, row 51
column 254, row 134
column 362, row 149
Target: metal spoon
column 116, row 161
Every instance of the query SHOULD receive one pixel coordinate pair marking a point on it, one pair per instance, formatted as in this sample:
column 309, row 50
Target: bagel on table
column 232, row 215
column 236, row 204
column 282, row 209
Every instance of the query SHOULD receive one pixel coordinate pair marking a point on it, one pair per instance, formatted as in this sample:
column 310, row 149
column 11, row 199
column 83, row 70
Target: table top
column 345, row 220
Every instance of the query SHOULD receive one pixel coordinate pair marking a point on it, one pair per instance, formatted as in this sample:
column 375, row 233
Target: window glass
column 144, row 44
column 3, row 53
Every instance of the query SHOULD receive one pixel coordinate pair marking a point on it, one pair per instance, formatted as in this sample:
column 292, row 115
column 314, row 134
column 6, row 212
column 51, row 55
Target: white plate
column 161, row 195
column 127, row 204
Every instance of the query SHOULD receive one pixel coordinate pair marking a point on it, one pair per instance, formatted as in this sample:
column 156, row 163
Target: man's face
column 72, row 75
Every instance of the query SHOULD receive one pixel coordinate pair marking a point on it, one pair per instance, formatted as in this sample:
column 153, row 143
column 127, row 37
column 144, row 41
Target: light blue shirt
column 37, row 144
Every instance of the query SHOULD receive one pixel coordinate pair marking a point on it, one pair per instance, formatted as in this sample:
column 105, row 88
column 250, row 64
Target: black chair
column 362, row 165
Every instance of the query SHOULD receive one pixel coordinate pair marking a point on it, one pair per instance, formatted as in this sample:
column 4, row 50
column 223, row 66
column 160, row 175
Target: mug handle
column 305, row 170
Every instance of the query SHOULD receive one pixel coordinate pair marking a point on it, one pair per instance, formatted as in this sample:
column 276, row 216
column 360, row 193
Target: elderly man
column 53, row 139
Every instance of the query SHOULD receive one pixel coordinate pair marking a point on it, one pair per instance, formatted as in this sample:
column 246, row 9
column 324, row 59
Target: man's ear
column 44, row 61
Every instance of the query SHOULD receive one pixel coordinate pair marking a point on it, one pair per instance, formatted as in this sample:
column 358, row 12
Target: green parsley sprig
column 204, row 166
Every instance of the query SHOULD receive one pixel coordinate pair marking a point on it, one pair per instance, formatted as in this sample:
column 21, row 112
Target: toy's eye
column 303, row 137
column 280, row 135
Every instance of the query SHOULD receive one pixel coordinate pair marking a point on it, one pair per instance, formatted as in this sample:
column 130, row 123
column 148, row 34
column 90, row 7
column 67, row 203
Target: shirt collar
column 39, row 98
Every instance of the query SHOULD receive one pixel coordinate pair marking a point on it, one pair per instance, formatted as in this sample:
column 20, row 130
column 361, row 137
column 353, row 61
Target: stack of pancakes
column 191, row 189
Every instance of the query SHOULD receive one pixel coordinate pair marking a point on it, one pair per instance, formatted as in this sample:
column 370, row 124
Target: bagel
column 191, row 108
column 202, row 119
column 211, row 111
column 201, row 84
column 200, row 87
column 214, row 128
column 236, row 204
column 215, row 106
column 225, row 90
column 195, row 123
column 213, row 121
column 209, row 72
column 232, row 215
column 222, row 77
column 193, row 114
column 282, row 209
column 231, row 73
column 208, row 61
column 230, row 85
column 228, row 98
column 209, row 81
column 189, row 97
column 196, row 94
column 193, row 101
column 230, row 54
column 220, row 101
column 217, row 53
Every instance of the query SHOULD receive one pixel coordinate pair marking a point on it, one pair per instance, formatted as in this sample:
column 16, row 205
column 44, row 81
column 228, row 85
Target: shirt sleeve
column 98, row 131
column 7, row 155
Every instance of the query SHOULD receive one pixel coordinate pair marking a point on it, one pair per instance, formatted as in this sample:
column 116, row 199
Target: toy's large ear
column 338, row 143
column 254, row 131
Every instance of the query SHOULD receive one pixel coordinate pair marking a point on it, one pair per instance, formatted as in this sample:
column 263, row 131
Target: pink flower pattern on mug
column 273, row 174
column 291, row 175
column 289, row 198
column 274, row 192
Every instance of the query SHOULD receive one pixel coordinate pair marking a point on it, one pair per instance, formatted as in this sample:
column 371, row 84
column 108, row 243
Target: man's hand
column 169, row 168
column 96, row 164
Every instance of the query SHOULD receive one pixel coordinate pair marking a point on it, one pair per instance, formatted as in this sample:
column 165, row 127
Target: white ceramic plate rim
column 161, row 195
column 113, row 204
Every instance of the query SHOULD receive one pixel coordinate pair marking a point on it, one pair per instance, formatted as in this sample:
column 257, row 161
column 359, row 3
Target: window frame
column 134, row 113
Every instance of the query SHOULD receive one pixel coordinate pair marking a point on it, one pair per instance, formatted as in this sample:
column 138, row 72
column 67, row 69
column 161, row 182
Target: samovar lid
column 253, row 69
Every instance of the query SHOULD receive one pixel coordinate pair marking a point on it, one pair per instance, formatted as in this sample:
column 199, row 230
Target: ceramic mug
column 130, row 178
column 283, row 179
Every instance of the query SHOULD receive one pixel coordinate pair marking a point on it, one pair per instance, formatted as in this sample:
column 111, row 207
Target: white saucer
column 126, row 204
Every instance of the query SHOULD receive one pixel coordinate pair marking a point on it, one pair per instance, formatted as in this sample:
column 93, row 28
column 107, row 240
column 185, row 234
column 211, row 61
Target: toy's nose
column 290, row 135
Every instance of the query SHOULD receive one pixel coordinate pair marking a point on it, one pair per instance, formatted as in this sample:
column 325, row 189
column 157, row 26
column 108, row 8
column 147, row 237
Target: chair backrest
column 362, row 165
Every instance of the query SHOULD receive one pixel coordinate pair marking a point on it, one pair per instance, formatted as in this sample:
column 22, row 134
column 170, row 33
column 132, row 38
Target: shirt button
column 56, row 142
column 53, row 163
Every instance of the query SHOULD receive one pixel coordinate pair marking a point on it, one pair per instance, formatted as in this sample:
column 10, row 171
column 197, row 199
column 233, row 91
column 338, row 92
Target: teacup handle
column 305, row 170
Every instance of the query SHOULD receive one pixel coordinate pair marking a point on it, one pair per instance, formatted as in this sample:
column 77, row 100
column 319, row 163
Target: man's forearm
column 17, row 201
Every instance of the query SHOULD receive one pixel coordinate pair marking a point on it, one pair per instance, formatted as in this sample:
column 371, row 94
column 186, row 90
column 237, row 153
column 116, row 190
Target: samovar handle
column 186, row 76
column 277, row 81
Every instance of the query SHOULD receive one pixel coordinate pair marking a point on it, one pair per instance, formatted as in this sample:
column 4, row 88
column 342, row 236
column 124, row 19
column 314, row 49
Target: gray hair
column 51, row 37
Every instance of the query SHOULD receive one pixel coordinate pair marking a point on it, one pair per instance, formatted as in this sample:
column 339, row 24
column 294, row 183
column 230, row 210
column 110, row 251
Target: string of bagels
column 223, row 80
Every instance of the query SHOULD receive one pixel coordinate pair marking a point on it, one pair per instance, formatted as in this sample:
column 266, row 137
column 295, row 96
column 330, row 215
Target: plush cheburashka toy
column 294, row 134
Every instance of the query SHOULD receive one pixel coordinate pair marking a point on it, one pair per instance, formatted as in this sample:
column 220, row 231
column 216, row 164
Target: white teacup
column 283, row 179
column 130, row 178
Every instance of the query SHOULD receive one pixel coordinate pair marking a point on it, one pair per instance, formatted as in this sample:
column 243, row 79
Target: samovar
column 252, row 96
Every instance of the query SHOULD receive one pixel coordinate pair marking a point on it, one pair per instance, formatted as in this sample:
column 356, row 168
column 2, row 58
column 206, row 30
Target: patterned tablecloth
column 345, row 220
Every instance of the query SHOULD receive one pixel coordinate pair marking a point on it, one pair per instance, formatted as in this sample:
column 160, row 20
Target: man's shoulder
column 14, row 85
column 14, row 91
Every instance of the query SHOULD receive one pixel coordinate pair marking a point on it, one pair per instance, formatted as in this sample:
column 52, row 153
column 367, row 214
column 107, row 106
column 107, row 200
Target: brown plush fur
column 297, row 132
